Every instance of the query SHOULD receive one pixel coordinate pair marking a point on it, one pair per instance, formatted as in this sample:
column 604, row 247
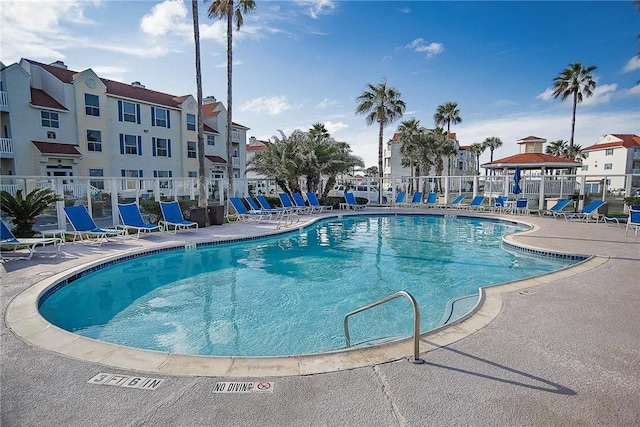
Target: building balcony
column 235, row 160
column 4, row 101
column 6, row 147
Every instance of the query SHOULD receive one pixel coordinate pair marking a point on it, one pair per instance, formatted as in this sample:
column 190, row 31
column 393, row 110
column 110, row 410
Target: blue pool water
column 287, row 295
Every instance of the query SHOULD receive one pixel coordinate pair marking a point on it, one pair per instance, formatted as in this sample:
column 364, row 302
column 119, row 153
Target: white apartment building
column 58, row 122
column 464, row 163
column 613, row 154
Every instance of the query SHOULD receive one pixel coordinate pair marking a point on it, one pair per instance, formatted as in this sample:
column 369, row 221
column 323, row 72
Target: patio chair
column 586, row 213
column 8, row 240
column 298, row 200
column 521, row 207
column 455, row 203
column 400, row 198
column 313, row 201
column 476, row 204
column 350, row 202
column 416, row 200
column 255, row 207
column 288, row 203
column 85, row 228
column 559, row 205
column 245, row 215
column 132, row 219
column 432, row 199
column 500, row 204
column 633, row 220
column 172, row 217
column 265, row 205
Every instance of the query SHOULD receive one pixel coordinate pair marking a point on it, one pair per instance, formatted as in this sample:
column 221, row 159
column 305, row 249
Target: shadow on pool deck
column 565, row 352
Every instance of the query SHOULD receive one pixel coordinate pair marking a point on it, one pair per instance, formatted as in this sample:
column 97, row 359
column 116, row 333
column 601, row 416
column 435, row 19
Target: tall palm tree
column 319, row 131
column 381, row 104
column 446, row 114
column 492, row 143
column 202, row 194
column 227, row 9
column 575, row 81
column 576, row 153
column 406, row 131
column 476, row 149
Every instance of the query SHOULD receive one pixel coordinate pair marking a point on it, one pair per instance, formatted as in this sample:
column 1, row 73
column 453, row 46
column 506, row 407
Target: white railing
column 6, row 146
column 4, row 99
column 235, row 161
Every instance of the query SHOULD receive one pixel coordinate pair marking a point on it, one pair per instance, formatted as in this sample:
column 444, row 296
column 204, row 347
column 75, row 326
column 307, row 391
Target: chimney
column 137, row 84
column 209, row 100
column 59, row 64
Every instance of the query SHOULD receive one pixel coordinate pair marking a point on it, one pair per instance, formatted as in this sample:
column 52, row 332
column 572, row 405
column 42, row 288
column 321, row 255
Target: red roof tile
column 215, row 159
column 532, row 160
column 208, row 109
column 628, row 141
column 57, row 148
column 530, row 138
column 40, row 98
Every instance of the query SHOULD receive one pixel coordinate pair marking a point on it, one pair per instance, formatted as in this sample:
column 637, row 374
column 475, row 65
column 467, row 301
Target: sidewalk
column 563, row 351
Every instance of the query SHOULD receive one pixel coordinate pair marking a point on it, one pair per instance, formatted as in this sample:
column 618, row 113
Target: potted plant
column 24, row 210
column 631, row 202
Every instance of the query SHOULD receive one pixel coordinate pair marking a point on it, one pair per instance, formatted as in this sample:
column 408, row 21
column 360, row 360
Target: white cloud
column 165, row 18
column 547, row 95
column 335, row 127
column 111, row 72
column 36, row 29
column 500, row 103
column 631, row 92
column 632, row 65
column 601, row 95
column 317, row 7
column 326, row 103
column 271, row 106
column 421, row 45
column 142, row 52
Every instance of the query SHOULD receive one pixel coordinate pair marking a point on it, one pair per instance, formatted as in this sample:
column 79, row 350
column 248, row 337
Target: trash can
column 216, row 215
column 198, row 215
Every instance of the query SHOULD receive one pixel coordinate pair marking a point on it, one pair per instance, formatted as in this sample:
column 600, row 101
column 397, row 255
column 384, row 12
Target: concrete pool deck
column 563, row 349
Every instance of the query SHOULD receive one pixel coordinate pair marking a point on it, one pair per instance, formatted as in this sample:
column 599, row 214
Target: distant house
column 613, row 154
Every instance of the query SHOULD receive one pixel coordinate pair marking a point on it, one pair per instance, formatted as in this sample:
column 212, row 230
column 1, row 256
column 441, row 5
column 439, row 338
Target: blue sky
column 301, row 62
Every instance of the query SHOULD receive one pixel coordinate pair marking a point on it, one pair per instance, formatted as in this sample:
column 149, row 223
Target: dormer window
column 49, row 119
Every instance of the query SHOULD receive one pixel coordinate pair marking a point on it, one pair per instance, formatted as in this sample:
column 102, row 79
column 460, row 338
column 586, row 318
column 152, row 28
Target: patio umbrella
column 516, row 181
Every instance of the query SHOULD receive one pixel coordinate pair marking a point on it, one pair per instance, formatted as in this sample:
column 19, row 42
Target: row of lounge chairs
column 85, row 230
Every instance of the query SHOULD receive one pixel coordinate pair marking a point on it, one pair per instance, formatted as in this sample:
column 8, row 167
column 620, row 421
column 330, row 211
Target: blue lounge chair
column 416, row 200
column 8, row 240
column 86, row 229
column 521, row 207
column 288, row 203
column 476, row 204
column 172, row 217
column 313, row 201
column 432, row 199
column 265, row 205
column 633, row 220
column 244, row 214
column 298, row 200
column 586, row 213
column 132, row 219
column 255, row 207
column 559, row 206
column 400, row 198
column 351, row 203
column 455, row 203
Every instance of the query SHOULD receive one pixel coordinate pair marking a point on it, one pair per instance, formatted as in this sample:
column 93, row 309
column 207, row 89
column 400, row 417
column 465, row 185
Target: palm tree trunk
column 229, row 85
column 573, row 120
column 202, row 190
column 380, row 146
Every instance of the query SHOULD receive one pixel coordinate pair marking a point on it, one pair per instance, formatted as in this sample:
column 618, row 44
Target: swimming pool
column 288, row 294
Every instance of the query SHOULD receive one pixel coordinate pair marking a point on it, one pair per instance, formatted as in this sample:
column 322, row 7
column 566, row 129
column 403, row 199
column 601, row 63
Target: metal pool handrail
column 416, row 321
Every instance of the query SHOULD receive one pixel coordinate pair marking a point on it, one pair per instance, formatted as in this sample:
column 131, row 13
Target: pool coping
column 24, row 319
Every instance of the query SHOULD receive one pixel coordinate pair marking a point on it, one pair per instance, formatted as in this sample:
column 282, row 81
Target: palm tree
column 557, row 148
column 381, row 104
column 492, row 143
column 24, row 210
column 576, row 153
column 227, row 9
column 447, row 113
column 406, row 131
column 575, row 81
column 476, row 149
column 202, row 195
column 319, row 131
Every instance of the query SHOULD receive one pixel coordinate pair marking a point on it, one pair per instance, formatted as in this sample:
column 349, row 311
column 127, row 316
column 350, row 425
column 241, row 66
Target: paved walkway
column 558, row 351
